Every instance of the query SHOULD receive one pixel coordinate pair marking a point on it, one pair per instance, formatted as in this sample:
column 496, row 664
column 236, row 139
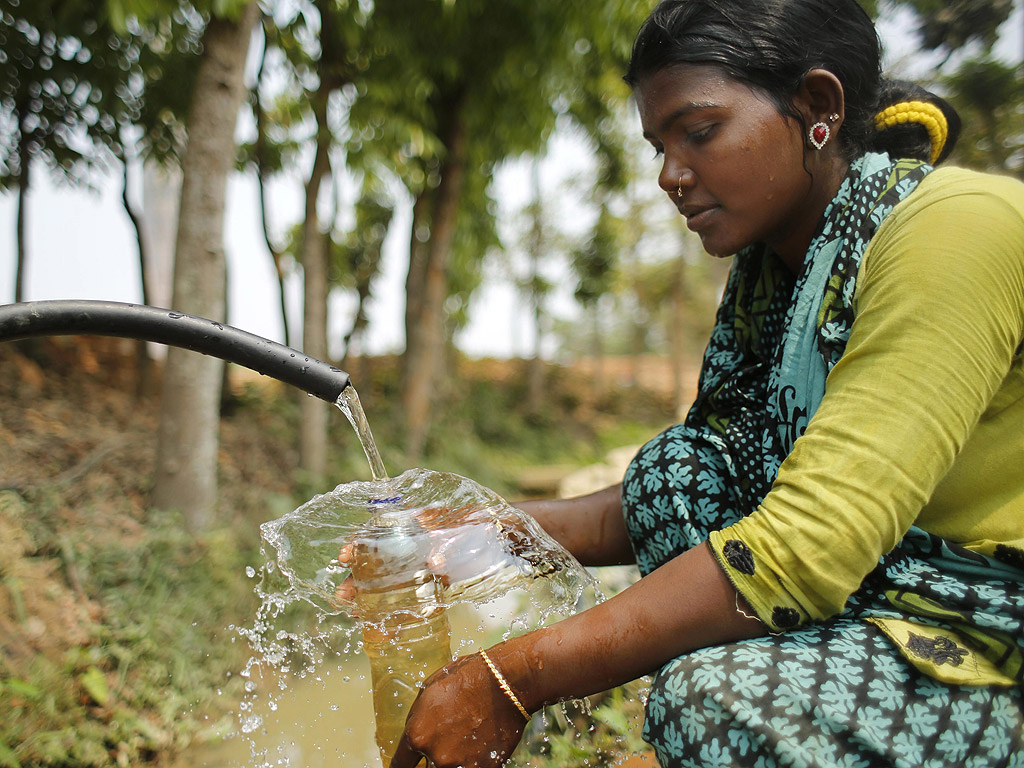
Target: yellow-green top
column 922, row 422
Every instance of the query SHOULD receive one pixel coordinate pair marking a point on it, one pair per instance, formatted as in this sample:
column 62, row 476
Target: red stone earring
column 819, row 134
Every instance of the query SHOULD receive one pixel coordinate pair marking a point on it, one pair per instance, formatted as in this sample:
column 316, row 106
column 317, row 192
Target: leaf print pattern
column 741, row 707
column 679, row 476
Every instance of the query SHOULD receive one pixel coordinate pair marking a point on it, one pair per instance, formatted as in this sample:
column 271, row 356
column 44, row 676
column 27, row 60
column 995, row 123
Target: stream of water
column 348, row 402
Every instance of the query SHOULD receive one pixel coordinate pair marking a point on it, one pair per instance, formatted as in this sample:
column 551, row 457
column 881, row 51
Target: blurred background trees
column 391, row 120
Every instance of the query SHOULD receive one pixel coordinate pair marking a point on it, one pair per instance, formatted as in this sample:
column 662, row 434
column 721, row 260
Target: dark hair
column 772, row 44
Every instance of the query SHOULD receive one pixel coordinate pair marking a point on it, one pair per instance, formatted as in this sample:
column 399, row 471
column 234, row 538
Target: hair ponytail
column 913, row 122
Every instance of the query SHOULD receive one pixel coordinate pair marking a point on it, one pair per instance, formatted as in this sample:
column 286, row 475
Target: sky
column 81, row 244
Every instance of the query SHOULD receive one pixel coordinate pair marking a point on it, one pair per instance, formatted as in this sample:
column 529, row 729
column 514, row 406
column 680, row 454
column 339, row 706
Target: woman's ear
column 821, row 97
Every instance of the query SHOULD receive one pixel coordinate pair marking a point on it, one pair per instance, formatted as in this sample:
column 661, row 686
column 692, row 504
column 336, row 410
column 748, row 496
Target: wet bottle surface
column 404, row 622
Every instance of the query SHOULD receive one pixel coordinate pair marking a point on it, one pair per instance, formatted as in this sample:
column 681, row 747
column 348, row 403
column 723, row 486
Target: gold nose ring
column 679, row 187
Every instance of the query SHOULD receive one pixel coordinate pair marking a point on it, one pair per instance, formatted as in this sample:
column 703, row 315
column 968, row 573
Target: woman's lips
column 698, row 217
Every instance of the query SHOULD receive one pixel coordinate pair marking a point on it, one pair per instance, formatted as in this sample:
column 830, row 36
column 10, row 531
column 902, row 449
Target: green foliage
column 356, row 260
column 123, row 12
column 59, row 71
column 595, row 89
column 988, row 94
column 609, row 724
column 476, row 237
column 485, row 430
column 145, row 680
column 507, row 70
column 952, row 24
column 594, row 264
column 870, row 7
column 74, row 82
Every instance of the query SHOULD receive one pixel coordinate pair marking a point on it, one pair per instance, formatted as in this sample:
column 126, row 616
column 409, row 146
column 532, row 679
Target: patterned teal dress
column 840, row 692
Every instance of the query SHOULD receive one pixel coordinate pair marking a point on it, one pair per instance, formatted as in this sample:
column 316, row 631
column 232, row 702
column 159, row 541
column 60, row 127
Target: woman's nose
column 676, row 179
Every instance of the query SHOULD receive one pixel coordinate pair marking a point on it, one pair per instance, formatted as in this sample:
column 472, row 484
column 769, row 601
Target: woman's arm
column 462, row 717
column 590, row 527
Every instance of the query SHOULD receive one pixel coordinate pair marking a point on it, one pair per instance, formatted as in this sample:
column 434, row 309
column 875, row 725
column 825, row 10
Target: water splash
column 478, row 545
column 500, row 575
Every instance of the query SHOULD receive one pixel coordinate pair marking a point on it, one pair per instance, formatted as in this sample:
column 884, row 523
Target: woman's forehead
column 687, row 87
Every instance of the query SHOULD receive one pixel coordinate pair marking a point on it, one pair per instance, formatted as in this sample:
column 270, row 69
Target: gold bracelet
column 503, row 684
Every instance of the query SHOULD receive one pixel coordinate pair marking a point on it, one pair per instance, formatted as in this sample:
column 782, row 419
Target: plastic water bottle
column 404, row 622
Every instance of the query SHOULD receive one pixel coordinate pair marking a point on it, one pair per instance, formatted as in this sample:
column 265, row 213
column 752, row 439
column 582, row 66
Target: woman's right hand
column 460, row 718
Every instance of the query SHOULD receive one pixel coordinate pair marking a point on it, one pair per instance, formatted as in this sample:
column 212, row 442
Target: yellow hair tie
column 920, row 112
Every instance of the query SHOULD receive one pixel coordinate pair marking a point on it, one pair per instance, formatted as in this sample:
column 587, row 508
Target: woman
column 832, row 543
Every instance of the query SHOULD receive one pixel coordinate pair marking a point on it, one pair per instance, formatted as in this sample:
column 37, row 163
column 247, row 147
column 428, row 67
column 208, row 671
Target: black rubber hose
column 139, row 321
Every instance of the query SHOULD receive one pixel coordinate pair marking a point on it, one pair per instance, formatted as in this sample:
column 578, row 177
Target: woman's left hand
column 460, row 718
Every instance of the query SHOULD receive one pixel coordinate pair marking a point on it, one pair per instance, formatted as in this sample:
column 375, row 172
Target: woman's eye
column 699, row 135
column 658, row 152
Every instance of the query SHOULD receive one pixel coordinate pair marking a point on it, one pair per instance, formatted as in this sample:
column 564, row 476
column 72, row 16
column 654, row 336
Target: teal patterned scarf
column 776, row 338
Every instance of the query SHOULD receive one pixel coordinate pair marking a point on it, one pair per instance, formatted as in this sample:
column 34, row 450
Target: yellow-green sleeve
column 939, row 316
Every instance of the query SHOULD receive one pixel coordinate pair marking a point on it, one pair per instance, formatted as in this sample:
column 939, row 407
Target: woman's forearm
column 686, row 604
column 591, row 527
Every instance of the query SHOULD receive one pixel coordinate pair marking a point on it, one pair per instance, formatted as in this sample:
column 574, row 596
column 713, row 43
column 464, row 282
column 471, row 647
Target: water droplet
column 251, row 723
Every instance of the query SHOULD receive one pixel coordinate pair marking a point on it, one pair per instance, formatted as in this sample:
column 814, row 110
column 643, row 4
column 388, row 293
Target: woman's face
column 732, row 164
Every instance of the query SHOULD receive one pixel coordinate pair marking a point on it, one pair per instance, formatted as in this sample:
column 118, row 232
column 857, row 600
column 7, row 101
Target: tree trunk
column 597, row 350
column 640, row 319
column 143, row 366
column 187, row 439
column 260, row 153
column 676, row 337
column 24, row 159
column 416, row 278
column 360, row 322
column 425, row 335
column 278, row 258
column 535, row 367
column 332, row 73
column 313, row 419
